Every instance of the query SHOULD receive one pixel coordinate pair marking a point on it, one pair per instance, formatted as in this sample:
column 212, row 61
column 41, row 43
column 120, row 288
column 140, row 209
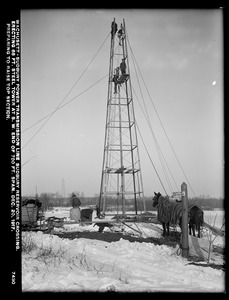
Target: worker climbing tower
column 121, row 180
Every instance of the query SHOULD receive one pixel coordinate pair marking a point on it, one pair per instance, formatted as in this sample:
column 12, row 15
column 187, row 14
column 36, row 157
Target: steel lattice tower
column 121, row 173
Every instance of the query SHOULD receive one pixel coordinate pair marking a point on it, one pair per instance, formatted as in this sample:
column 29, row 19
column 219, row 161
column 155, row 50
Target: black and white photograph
column 117, row 133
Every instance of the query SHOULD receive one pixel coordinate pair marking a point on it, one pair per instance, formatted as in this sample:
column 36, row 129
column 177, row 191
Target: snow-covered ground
column 52, row 263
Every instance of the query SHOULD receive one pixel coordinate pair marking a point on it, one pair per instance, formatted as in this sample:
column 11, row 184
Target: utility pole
column 36, row 195
column 121, row 172
column 185, row 248
column 63, row 188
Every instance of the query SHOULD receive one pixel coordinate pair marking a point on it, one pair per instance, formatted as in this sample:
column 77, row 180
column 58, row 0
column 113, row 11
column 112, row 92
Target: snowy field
column 52, row 263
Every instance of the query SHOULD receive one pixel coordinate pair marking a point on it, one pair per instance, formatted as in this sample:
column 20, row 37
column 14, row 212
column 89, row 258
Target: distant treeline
column 49, row 201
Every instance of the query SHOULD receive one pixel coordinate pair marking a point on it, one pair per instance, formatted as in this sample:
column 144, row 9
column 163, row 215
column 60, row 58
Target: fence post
column 184, row 220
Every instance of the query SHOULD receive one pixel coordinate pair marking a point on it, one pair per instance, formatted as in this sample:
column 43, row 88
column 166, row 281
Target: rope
column 159, row 151
column 151, row 160
column 50, row 114
column 66, row 103
column 59, row 105
column 29, row 160
column 162, row 123
column 178, row 251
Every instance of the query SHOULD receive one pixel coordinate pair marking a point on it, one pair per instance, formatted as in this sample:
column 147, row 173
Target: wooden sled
column 215, row 229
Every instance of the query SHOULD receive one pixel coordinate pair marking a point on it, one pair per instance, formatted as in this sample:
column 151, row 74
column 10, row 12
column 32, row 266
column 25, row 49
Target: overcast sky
column 180, row 55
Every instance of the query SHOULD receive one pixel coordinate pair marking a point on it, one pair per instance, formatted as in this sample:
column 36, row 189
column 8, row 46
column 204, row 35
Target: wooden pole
column 184, row 220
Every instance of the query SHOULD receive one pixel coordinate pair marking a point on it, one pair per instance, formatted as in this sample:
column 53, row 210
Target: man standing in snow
column 75, row 201
column 75, row 210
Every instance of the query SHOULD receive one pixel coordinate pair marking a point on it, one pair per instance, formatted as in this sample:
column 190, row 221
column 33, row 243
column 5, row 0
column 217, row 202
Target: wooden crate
column 29, row 214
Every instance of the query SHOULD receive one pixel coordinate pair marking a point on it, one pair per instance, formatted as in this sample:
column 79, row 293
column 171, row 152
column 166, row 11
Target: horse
column 171, row 212
column 196, row 219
